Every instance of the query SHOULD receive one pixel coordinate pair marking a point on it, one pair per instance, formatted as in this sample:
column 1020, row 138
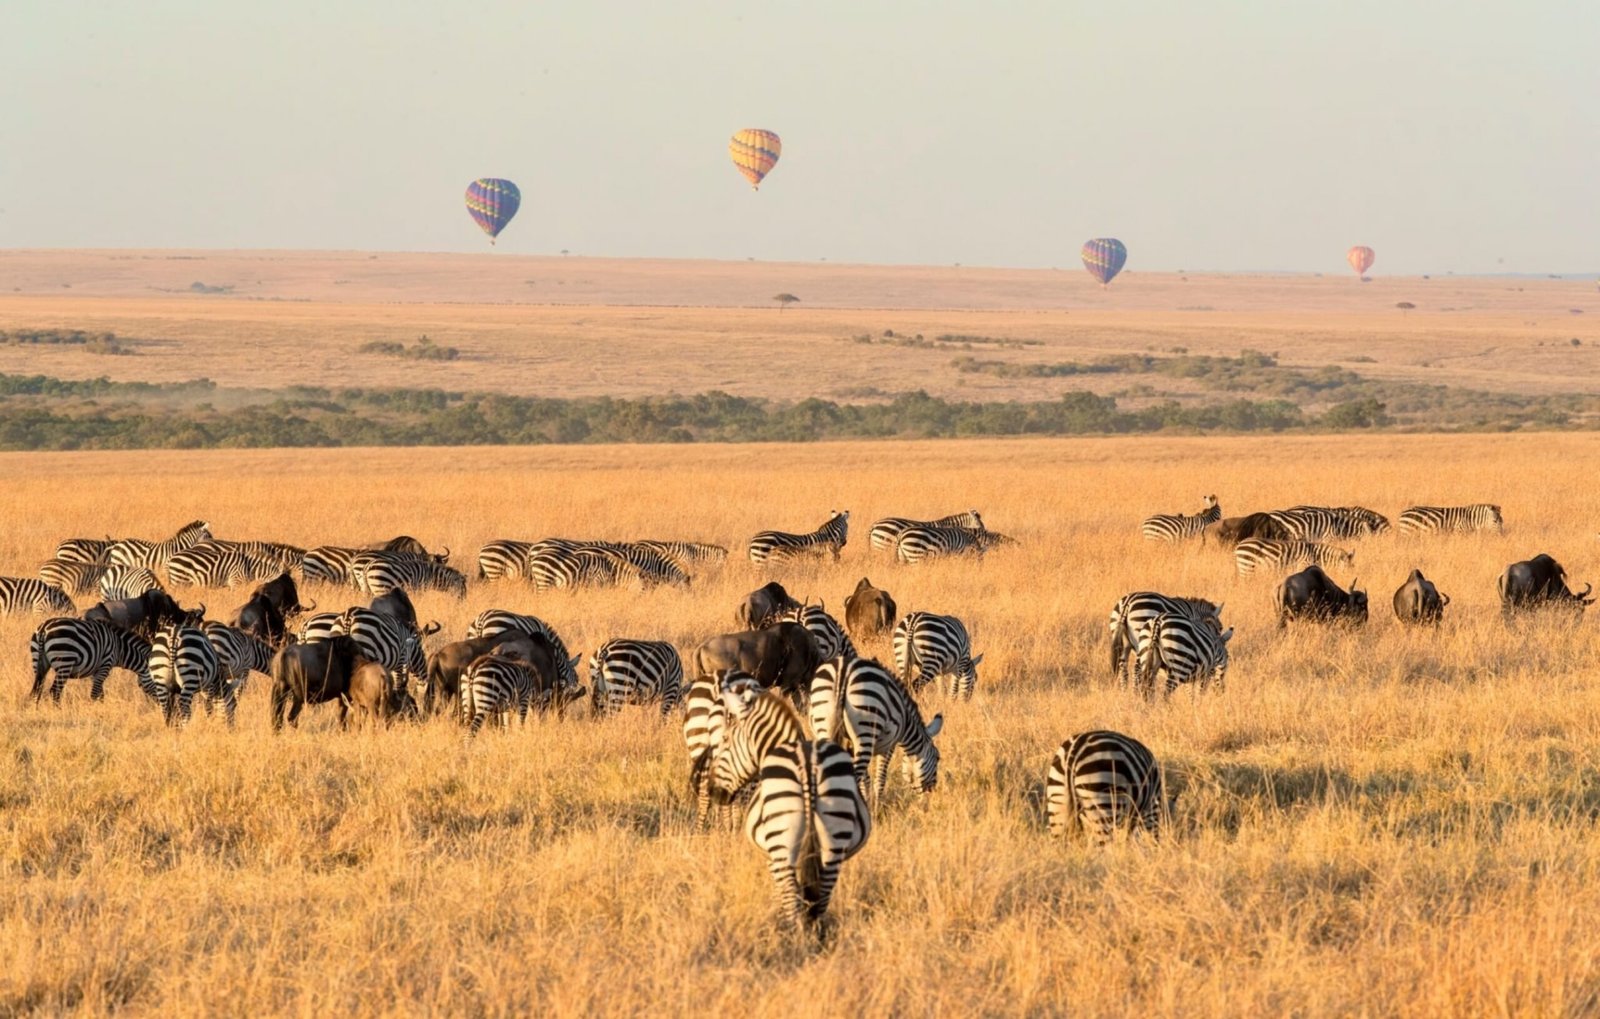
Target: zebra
column 217, row 564
column 503, row 559
column 183, row 664
column 378, row 573
column 1317, row 523
column 727, row 740
column 85, row 550
column 490, row 622
column 1176, row 527
column 72, row 576
column 238, row 653
column 28, row 594
column 280, row 557
column 498, row 685
column 777, row 546
column 387, row 641
column 1134, row 612
column 927, row 646
column 1254, row 554
column 154, row 554
column 128, row 582
column 830, row 637
column 705, row 726
column 809, row 817
column 886, row 533
column 86, row 648
column 635, row 672
column 858, row 700
column 600, row 564
column 924, row 541
column 328, row 564
column 686, row 554
column 1100, row 781
column 1477, row 517
column 1186, row 650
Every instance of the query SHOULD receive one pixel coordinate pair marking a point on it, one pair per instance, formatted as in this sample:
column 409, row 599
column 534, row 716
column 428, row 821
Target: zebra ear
column 1228, row 635
column 574, row 662
column 935, row 725
column 1220, row 607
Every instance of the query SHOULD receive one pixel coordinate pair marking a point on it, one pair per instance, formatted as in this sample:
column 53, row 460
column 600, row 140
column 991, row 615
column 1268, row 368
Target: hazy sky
column 1452, row 135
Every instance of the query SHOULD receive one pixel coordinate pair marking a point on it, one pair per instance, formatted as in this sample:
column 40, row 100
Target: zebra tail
column 41, row 664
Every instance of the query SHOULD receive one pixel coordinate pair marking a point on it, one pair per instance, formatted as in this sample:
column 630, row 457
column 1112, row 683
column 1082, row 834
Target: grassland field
column 1378, row 822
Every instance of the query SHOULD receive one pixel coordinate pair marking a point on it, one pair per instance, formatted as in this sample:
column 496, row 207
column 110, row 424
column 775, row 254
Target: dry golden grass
column 1372, row 823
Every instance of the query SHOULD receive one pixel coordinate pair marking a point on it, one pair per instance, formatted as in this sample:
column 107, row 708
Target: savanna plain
column 1372, row 822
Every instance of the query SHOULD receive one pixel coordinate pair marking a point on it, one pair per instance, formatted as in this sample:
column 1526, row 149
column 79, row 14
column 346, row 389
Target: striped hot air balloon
column 1104, row 257
column 755, row 152
column 1360, row 258
column 492, row 202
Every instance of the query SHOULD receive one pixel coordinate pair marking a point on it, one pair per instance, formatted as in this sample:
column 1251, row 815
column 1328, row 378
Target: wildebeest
column 783, row 655
column 869, row 611
column 261, row 619
column 446, row 665
column 397, row 606
column 371, row 693
column 406, row 543
column 1536, row 583
column 144, row 614
column 1312, row 594
column 1418, row 601
column 1231, row 530
column 283, row 594
column 761, row 605
column 312, row 673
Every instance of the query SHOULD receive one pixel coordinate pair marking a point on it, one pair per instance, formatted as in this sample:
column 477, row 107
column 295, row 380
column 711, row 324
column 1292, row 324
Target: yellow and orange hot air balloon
column 755, row 152
column 1360, row 258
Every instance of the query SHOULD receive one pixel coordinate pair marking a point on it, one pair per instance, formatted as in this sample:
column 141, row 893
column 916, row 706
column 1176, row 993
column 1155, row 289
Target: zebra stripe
column 777, row 546
column 886, row 532
column 1253, row 554
column 705, row 725
column 757, row 721
column 216, row 564
column 1134, row 612
column 928, row 542
column 328, row 564
column 128, row 582
column 28, row 594
column 87, row 649
column 1458, row 519
column 387, row 641
column 378, row 573
column 183, row 664
column 72, row 576
column 927, row 646
column 496, row 685
column 686, row 555
column 856, row 699
column 1186, row 650
column 154, row 554
column 635, row 672
column 1319, row 523
column 809, row 817
column 600, row 564
column 1101, row 781
column 825, row 630
column 85, row 550
column 504, row 559
column 1176, row 527
column 491, row 622
column 238, row 654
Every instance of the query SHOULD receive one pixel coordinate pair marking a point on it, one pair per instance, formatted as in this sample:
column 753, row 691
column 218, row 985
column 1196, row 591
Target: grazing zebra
column 490, row 622
column 71, row 576
column 927, row 646
column 635, row 672
column 183, row 663
column 830, row 637
column 1186, row 650
column 600, row 564
column 1457, row 519
column 496, row 685
column 86, row 648
column 777, row 546
column 1100, row 781
column 1176, row 527
column 705, row 726
column 809, row 817
column 389, row 642
column 1134, row 612
column 217, row 564
column 27, row 594
column 280, row 557
column 752, row 721
column 1254, row 554
column 924, row 541
column 85, row 550
column 238, row 654
column 856, row 699
column 154, row 554
column 503, row 559
column 886, row 533
column 128, row 582
column 378, row 573
column 1319, row 523
column 328, row 564
column 686, row 555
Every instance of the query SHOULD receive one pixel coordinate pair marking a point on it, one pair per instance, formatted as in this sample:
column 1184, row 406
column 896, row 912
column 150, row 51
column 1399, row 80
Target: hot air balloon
column 1104, row 257
column 492, row 202
column 755, row 152
column 1360, row 258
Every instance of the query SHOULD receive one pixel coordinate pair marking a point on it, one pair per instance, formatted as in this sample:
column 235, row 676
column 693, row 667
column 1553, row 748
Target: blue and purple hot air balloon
column 1104, row 257
column 492, row 202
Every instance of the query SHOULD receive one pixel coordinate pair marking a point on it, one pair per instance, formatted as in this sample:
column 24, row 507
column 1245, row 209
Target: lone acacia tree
column 784, row 300
column 1404, row 307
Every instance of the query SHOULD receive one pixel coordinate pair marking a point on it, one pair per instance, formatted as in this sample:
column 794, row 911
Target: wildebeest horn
column 309, row 608
column 1586, row 589
column 447, row 552
column 432, row 628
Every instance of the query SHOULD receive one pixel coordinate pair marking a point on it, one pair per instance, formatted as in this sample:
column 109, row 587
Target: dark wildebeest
column 260, row 618
column 762, row 604
column 1312, row 594
column 1536, row 583
column 1418, row 601
column 404, row 543
column 869, row 612
column 373, row 694
column 1229, row 531
column 312, row 673
column 145, row 614
column 397, row 606
column 783, row 655
column 446, row 665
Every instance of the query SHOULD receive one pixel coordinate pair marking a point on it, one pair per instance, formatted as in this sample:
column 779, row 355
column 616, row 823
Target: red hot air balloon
column 1360, row 258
